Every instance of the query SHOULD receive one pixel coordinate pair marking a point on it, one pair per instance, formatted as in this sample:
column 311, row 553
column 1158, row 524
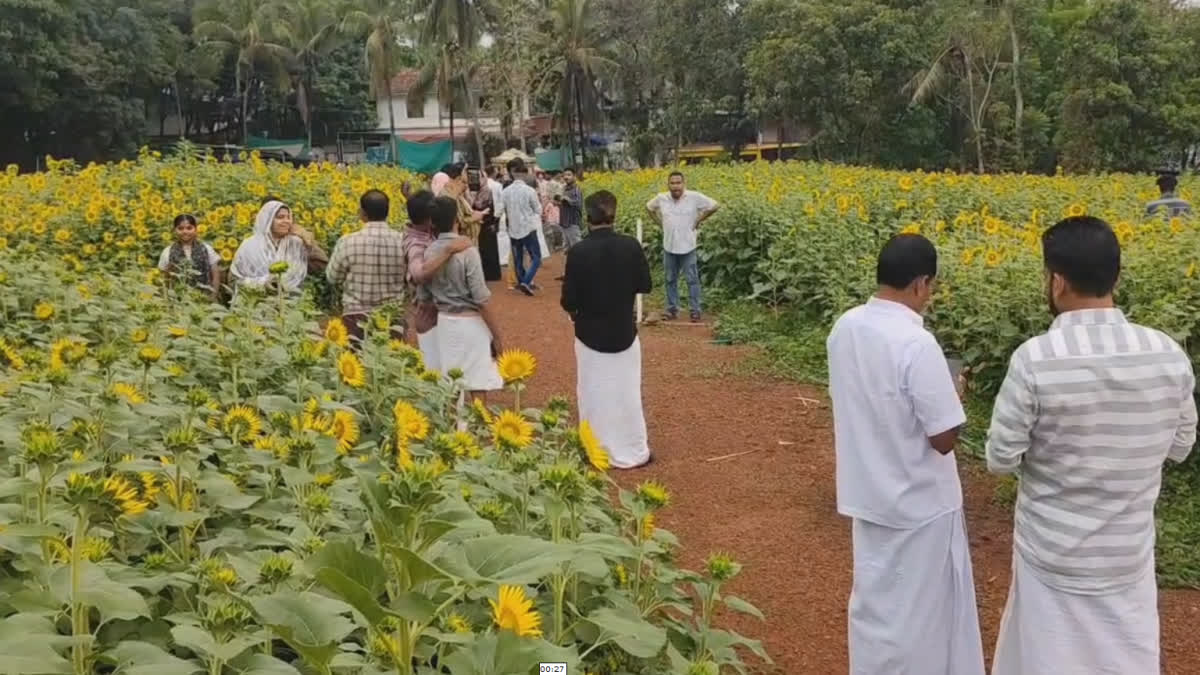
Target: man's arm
column 339, row 264
column 1013, row 417
column 655, row 211
column 422, row 268
column 573, row 197
column 1185, row 433
column 480, row 295
column 934, row 397
column 570, row 288
column 643, row 282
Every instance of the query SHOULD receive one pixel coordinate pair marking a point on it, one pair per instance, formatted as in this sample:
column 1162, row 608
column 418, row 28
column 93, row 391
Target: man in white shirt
column 1087, row 416
column 897, row 414
column 680, row 212
column 524, row 211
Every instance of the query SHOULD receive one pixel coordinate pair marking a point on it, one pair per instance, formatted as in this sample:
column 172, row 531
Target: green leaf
column 739, row 605
column 631, row 633
column 112, row 600
column 261, row 664
column 142, row 658
column 504, row 559
column 202, row 642
column 304, row 622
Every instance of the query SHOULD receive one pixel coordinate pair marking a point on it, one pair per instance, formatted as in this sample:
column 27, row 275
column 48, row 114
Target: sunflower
column 44, row 311
column 516, row 365
column 481, row 410
column 65, row 352
column 344, row 428
column 654, row 494
column 411, row 424
column 352, row 371
column 128, row 392
column 596, row 454
column 404, row 457
column 646, row 527
column 150, row 354
column 512, row 430
column 177, row 331
column 513, row 611
column 457, row 623
column 1076, row 210
column 242, row 423
column 337, row 333
column 10, row 356
column 139, row 336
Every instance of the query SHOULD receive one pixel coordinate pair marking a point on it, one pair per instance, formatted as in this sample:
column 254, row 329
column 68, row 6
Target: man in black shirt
column 604, row 274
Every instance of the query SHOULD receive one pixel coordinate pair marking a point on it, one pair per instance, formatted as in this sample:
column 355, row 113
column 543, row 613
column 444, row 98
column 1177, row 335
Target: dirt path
column 773, row 509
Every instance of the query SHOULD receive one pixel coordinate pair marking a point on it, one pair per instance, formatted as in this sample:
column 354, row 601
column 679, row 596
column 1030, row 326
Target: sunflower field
column 192, row 489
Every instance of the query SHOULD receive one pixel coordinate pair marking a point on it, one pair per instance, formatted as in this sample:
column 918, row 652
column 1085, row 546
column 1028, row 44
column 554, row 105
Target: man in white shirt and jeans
column 524, row 209
column 896, row 415
column 680, row 212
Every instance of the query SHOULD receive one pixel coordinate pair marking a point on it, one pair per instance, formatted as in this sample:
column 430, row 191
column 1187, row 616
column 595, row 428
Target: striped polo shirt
column 1086, row 416
column 1170, row 205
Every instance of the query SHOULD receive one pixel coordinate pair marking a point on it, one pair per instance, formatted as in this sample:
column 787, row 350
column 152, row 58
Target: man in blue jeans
column 680, row 212
column 524, row 211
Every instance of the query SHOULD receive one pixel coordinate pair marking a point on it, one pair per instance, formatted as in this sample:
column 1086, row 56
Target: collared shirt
column 604, row 274
column 1086, row 417
column 369, row 266
column 523, row 208
column 570, row 212
column 679, row 218
column 1170, row 204
column 892, row 391
column 459, row 285
column 414, row 244
column 497, row 203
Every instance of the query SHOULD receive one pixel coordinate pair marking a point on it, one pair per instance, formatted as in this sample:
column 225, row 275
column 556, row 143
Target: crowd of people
column 460, row 233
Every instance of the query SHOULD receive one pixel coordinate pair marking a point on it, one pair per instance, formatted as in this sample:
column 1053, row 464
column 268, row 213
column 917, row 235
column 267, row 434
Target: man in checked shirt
column 370, row 266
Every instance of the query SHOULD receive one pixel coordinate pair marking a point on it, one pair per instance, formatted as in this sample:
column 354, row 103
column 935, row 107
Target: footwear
column 560, row 278
column 534, row 287
column 524, row 288
column 695, row 317
column 670, row 315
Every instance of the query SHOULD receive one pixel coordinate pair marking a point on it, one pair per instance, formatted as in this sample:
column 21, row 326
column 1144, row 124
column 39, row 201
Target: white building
column 427, row 119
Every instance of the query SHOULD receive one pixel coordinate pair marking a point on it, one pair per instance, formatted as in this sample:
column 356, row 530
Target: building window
column 414, row 109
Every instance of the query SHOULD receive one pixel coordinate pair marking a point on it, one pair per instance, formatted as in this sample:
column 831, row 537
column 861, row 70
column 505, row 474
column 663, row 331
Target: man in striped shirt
column 1086, row 417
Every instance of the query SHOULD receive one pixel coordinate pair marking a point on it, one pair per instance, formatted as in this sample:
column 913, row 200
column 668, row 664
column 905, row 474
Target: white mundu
column 912, row 607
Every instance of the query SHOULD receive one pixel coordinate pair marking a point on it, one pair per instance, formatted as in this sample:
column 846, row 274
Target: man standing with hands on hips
column 680, row 212
column 896, row 416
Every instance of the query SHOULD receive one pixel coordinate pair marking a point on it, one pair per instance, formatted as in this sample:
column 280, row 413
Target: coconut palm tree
column 309, row 28
column 581, row 52
column 382, row 22
column 243, row 27
column 450, row 32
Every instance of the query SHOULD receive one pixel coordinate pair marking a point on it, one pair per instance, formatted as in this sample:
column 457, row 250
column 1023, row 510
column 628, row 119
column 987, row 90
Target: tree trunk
column 452, row 128
column 179, row 108
column 521, row 119
column 1018, row 96
column 387, row 86
column 579, row 121
column 245, row 87
column 474, row 112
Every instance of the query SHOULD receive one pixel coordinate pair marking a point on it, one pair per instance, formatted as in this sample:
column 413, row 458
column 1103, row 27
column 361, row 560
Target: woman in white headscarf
column 276, row 238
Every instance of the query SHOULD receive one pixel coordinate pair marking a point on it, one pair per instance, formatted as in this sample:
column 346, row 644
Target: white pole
column 639, row 296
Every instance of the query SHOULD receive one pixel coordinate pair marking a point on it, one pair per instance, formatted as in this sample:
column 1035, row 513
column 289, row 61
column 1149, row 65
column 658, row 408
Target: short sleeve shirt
column 892, row 390
column 164, row 259
column 679, row 217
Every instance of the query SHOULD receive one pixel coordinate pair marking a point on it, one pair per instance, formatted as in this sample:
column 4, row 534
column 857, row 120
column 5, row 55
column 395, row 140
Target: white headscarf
column 252, row 263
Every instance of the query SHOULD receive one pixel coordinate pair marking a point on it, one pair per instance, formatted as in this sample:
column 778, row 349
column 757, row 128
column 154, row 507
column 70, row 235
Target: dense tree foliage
column 981, row 85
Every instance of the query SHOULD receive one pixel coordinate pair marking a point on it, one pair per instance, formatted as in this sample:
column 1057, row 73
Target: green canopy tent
column 296, row 148
column 424, row 158
column 554, row 159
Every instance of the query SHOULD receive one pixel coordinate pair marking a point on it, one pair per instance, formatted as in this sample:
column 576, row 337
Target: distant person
column 194, row 262
column 419, row 234
column 368, row 266
column 276, row 239
column 483, row 201
column 456, row 189
column 570, row 208
column 681, row 212
column 1169, row 204
column 896, row 418
column 468, row 335
column 1087, row 416
column 439, row 179
column 524, row 211
column 604, row 275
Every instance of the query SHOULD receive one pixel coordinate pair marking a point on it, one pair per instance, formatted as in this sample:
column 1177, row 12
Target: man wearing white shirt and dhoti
column 604, row 275
column 897, row 413
column 1086, row 417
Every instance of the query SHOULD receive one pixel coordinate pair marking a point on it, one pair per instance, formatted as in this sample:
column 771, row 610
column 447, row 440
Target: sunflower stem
column 79, row 617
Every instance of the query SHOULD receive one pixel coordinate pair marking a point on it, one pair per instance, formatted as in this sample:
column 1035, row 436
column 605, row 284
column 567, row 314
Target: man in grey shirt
column 468, row 335
column 1169, row 204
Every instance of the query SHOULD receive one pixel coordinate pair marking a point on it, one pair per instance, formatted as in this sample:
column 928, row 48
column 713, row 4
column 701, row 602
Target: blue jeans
column 673, row 263
column 520, row 247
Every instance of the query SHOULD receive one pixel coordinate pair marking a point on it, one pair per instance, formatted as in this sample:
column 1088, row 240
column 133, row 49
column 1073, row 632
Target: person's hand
column 406, row 189
column 460, row 244
column 961, row 383
column 497, row 349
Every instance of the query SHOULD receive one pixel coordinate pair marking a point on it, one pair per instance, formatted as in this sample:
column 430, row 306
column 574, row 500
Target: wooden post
column 638, row 302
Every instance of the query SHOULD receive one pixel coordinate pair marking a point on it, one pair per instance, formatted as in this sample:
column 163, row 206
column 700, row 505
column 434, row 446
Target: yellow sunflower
column 139, row 336
column 242, row 423
column 344, row 428
column 654, row 494
column 337, row 333
column 177, row 331
column 457, row 623
column 150, row 354
column 513, row 430
column 481, row 410
column 513, row 611
column 411, row 424
column 10, row 356
column 516, row 365
column 65, row 352
column 128, row 392
column 646, row 527
column 596, row 454
column 352, row 371
column 44, row 311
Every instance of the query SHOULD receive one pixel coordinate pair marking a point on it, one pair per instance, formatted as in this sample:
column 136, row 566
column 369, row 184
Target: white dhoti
column 542, row 241
column 464, row 342
column 609, row 391
column 427, row 343
column 912, row 607
column 1046, row 631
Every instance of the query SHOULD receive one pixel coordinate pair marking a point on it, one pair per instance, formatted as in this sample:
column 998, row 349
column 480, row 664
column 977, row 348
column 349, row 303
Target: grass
column 792, row 346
